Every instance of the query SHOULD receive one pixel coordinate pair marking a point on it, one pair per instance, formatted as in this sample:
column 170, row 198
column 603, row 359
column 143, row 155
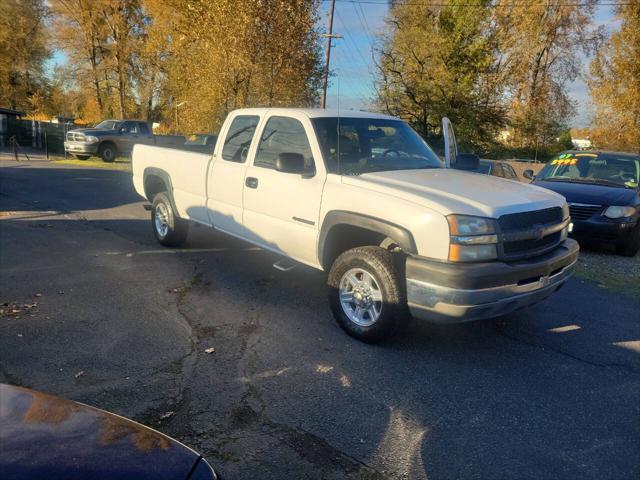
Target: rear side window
column 283, row 135
column 510, row 172
column 497, row 170
column 130, row 127
column 238, row 140
column 144, row 128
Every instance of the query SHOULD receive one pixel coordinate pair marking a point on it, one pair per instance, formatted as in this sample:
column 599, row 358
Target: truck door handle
column 251, row 182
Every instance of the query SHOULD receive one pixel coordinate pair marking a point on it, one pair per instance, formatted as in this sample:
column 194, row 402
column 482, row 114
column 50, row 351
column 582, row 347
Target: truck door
column 225, row 181
column 127, row 136
column 282, row 208
column 450, row 144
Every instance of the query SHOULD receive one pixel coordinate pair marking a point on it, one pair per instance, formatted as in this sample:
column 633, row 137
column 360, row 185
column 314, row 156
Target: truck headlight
column 90, row 139
column 619, row 212
column 472, row 238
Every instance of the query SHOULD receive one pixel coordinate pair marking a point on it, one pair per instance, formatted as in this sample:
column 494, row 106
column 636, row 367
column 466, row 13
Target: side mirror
column 289, row 162
column 528, row 173
column 467, row 161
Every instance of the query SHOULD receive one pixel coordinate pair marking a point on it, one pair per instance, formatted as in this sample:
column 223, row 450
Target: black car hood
column 43, row 436
column 593, row 194
column 94, row 131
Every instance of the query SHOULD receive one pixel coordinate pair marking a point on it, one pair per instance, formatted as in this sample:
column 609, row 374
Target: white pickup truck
column 364, row 198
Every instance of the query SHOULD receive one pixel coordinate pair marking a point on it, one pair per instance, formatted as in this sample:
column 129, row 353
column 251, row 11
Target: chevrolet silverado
column 363, row 197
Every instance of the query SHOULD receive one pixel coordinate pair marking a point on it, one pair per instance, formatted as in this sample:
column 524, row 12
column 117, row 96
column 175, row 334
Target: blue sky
column 353, row 69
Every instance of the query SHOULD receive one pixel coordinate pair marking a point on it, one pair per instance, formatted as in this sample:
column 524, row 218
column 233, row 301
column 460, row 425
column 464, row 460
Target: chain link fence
column 46, row 137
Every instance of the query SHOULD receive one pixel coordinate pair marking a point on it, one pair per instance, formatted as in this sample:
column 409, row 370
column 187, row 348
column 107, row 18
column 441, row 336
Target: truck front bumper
column 81, row 148
column 444, row 292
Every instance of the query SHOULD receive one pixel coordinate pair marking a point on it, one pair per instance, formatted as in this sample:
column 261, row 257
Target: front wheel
column 169, row 229
column 108, row 152
column 366, row 294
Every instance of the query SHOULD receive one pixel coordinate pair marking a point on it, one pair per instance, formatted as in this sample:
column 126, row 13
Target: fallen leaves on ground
column 12, row 309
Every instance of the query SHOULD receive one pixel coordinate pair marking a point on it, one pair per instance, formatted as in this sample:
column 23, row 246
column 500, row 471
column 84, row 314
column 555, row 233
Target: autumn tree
column 614, row 84
column 23, row 52
column 223, row 54
column 102, row 40
column 439, row 59
column 540, row 44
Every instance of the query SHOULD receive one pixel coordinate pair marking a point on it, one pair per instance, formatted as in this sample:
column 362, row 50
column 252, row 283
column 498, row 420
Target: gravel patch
column 609, row 270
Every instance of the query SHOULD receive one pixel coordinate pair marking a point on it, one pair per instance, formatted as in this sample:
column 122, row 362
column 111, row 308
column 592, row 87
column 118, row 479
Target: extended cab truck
column 112, row 138
column 363, row 197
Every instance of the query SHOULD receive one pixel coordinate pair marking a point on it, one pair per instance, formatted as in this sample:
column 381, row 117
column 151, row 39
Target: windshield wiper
column 589, row 181
column 601, row 181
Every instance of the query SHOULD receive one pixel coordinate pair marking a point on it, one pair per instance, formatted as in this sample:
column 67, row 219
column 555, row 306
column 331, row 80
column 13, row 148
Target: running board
column 285, row 265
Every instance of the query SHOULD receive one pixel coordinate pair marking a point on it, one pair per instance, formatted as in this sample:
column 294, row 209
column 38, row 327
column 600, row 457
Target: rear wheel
column 83, row 157
column 631, row 248
column 366, row 294
column 108, row 152
column 169, row 229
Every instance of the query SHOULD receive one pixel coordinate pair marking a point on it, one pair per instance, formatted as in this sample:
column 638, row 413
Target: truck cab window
column 239, row 136
column 283, row 135
column 129, row 127
column 144, row 129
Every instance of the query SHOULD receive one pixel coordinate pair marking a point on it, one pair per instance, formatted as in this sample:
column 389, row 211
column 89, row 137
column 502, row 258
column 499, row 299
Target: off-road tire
column 82, row 157
column 108, row 152
column 386, row 268
column 631, row 248
column 176, row 228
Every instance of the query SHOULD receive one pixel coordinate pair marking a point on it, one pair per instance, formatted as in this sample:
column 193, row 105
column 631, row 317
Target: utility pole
column 327, row 54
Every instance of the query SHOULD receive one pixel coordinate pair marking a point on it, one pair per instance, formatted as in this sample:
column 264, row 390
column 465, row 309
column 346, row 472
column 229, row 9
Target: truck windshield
column 607, row 169
column 352, row 146
column 109, row 125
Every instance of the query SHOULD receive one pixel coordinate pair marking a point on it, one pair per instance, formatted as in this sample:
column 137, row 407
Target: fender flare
column 402, row 236
column 164, row 175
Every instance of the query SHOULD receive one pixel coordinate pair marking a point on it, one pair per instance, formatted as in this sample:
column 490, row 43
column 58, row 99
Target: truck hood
column 454, row 191
column 94, row 131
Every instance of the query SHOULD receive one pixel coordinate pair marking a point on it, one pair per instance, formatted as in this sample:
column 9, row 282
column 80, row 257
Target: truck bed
column 187, row 171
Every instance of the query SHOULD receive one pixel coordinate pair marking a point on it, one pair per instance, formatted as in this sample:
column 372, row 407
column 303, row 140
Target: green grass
column 95, row 162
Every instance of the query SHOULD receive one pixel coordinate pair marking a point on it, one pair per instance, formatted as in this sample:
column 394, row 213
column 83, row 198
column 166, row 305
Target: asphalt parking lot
column 96, row 311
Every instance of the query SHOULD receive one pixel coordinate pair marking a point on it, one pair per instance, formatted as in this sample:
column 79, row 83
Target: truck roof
column 315, row 112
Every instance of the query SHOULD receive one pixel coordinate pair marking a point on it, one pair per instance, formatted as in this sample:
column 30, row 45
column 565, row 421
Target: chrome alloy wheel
column 360, row 297
column 161, row 219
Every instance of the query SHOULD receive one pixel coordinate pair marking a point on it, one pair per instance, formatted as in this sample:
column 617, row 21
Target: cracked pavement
column 549, row 392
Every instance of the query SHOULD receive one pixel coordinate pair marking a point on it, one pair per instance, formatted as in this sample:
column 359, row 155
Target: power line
column 353, row 42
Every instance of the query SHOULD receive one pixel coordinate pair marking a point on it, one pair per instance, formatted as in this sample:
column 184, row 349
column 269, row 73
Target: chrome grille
column 583, row 211
column 75, row 137
column 520, row 233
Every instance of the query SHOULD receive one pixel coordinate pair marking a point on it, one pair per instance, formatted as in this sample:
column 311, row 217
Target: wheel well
column 154, row 184
column 344, row 237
